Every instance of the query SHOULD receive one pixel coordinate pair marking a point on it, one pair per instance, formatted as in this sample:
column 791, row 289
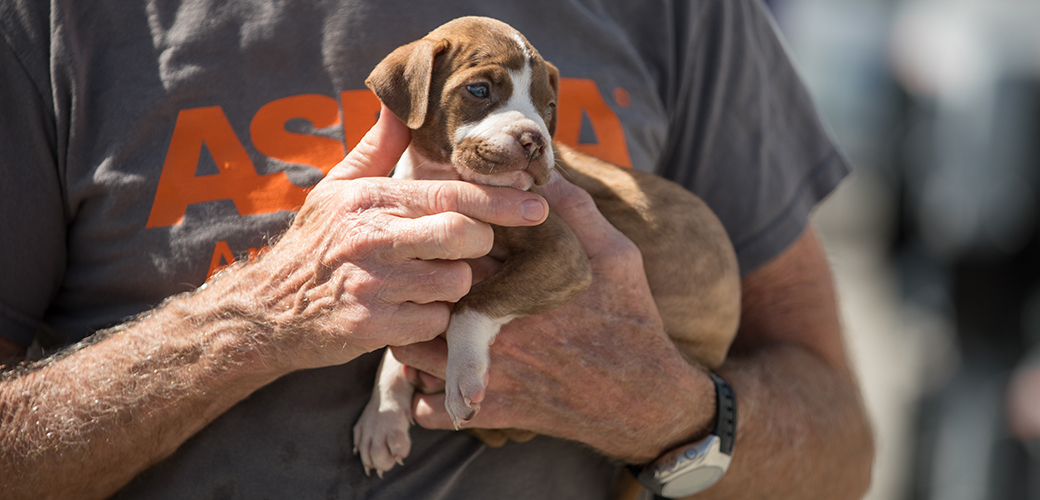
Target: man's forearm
column 802, row 431
column 84, row 424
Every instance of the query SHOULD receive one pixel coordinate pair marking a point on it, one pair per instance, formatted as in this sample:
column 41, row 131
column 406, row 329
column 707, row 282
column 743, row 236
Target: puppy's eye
column 549, row 109
column 480, row 90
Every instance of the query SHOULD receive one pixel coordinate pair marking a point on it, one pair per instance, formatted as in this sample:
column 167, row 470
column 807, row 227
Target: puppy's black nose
column 533, row 144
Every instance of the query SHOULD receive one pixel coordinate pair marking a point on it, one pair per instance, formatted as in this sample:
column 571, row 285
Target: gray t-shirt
column 145, row 144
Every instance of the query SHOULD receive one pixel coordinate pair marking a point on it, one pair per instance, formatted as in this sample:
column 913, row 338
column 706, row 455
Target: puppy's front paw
column 464, row 392
column 381, row 436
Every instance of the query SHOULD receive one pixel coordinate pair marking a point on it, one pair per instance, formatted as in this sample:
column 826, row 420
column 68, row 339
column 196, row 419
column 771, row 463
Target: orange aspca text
column 252, row 193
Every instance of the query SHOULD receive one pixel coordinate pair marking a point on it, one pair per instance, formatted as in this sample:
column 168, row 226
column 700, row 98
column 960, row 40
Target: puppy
column 480, row 102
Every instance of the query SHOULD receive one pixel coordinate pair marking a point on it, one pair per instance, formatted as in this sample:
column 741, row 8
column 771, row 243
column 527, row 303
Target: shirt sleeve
column 745, row 135
column 32, row 214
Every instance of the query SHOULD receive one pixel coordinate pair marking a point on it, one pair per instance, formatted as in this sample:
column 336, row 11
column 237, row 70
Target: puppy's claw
column 458, row 421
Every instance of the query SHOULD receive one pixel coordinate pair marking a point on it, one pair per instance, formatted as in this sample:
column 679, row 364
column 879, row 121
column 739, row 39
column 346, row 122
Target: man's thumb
column 378, row 152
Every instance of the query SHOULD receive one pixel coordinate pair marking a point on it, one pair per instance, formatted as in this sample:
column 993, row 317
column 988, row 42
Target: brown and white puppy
column 481, row 103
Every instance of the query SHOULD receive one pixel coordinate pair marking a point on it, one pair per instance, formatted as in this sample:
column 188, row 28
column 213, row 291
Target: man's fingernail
column 532, row 210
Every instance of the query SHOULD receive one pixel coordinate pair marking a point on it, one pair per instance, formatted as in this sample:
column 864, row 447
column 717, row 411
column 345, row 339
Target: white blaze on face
column 500, row 128
column 518, row 108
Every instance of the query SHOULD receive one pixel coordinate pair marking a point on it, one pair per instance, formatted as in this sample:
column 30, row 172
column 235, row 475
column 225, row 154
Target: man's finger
column 421, row 322
column 447, row 235
column 430, row 357
column 378, row 152
column 429, row 413
column 423, row 282
column 503, row 206
column 412, row 322
column 422, row 381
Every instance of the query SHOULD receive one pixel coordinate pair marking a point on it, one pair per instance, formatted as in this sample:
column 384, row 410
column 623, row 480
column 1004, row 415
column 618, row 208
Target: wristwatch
column 693, row 467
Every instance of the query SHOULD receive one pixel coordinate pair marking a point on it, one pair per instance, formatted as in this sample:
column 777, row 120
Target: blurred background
column 934, row 237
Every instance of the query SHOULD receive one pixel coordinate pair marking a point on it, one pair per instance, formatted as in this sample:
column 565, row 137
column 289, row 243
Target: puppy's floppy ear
column 402, row 80
column 554, row 80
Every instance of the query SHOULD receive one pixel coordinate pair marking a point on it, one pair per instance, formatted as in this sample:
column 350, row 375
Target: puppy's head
column 476, row 95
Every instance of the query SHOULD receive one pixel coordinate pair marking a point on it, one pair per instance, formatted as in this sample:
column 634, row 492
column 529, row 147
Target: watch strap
column 725, row 414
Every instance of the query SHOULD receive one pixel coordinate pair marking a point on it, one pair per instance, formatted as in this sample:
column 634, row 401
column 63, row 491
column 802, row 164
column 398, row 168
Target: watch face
column 692, row 482
column 688, row 470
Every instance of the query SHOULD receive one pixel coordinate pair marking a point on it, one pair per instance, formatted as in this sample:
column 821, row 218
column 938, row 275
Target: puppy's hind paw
column 381, row 440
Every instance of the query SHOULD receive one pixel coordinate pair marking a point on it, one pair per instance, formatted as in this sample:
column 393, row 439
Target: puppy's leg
column 469, row 337
column 381, row 434
column 545, row 267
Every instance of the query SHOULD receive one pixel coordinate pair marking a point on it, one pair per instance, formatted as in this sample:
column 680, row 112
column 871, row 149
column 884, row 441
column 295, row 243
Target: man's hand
column 607, row 376
column 599, row 370
column 371, row 261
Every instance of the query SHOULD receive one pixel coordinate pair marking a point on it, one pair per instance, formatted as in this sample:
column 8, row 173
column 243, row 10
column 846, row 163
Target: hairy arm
column 84, row 424
column 368, row 262
column 802, row 430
